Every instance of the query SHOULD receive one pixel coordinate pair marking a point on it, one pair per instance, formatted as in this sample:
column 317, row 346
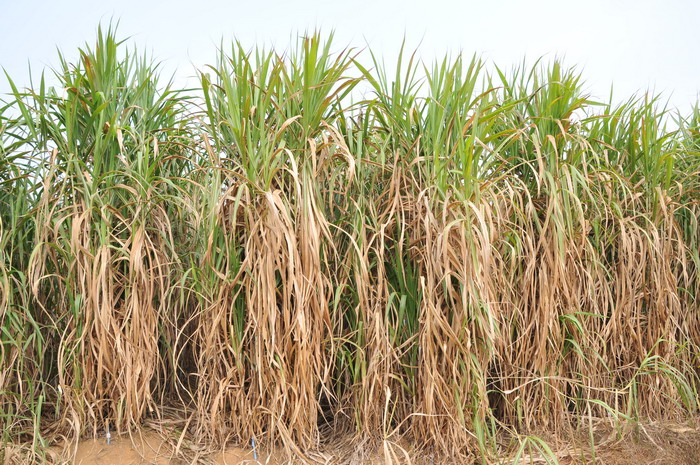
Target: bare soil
column 667, row 444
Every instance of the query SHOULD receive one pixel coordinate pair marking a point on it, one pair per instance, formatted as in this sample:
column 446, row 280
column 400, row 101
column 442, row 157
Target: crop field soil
column 337, row 260
column 668, row 444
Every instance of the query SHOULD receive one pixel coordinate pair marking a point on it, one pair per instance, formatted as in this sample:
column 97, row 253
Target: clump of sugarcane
column 314, row 244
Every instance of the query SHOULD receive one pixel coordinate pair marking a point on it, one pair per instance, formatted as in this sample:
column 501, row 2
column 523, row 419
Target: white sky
column 636, row 45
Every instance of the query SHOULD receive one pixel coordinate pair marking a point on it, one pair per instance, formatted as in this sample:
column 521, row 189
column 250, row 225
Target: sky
column 637, row 45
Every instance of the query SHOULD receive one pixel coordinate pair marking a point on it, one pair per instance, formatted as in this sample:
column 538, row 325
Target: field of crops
column 312, row 245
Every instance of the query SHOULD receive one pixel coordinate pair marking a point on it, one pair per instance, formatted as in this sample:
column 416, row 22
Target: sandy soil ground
column 650, row 444
column 151, row 449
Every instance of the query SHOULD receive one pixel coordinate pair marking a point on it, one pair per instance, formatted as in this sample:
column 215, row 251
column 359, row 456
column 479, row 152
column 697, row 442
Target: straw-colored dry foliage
column 311, row 245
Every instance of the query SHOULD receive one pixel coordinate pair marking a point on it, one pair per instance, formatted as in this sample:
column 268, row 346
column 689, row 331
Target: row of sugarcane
column 313, row 243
